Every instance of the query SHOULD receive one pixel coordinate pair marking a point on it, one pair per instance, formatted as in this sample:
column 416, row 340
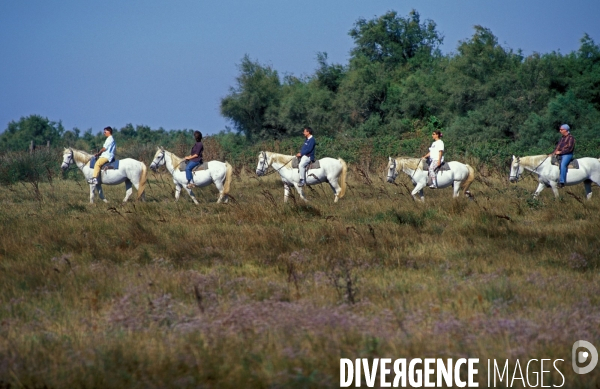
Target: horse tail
column 467, row 183
column 142, row 184
column 228, row 174
column 342, row 179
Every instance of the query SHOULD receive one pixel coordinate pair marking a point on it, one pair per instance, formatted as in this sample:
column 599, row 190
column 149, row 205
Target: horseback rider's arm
column 100, row 152
column 566, row 145
column 439, row 158
column 307, row 148
column 108, row 143
column 191, row 157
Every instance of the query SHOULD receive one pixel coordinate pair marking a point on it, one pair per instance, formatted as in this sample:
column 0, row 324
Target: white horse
column 130, row 172
column 459, row 175
column 218, row 172
column 332, row 171
column 548, row 174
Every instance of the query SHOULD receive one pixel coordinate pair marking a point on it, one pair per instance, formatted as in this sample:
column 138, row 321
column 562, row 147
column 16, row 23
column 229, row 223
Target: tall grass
column 261, row 294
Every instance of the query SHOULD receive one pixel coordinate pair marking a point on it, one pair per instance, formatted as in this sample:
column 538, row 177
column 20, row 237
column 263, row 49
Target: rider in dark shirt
column 565, row 149
column 194, row 159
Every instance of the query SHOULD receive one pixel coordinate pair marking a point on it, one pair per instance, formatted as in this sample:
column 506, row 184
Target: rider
column 306, row 154
column 194, row 159
column 436, row 153
column 565, row 149
column 105, row 155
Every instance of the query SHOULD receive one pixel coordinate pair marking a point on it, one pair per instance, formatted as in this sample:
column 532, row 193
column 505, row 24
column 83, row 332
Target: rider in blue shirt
column 306, row 154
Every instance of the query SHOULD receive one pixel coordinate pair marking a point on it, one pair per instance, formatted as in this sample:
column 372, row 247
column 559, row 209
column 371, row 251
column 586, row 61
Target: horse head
column 515, row 169
column 67, row 159
column 392, row 170
column 159, row 159
column 263, row 164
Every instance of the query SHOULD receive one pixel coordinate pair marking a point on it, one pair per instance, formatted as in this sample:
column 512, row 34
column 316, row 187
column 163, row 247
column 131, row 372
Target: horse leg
column 554, row 188
column 539, row 189
column 136, row 185
column 456, row 187
column 286, row 192
column 177, row 191
column 128, row 190
column 220, row 188
column 101, row 193
column 191, row 193
column 336, row 189
column 300, row 191
column 418, row 188
column 587, row 184
column 92, row 189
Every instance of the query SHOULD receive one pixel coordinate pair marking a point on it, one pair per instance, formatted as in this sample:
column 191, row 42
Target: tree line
column 41, row 130
column 489, row 101
column 397, row 87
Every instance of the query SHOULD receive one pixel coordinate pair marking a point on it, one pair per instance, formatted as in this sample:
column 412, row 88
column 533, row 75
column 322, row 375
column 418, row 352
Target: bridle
column 70, row 161
column 393, row 168
column 162, row 157
column 518, row 176
column 264, row 164
column 518, row 167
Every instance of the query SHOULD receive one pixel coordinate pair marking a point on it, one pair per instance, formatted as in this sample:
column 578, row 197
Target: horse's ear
column 514, row 157
column 162, row 148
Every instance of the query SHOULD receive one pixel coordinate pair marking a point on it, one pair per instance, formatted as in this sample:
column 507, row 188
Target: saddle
column 202, row 166
column 312, row 165
column 443, row 167
column 107, row 166
column 574, row 164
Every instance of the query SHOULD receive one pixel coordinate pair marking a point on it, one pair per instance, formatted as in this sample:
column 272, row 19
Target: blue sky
column 168, row 63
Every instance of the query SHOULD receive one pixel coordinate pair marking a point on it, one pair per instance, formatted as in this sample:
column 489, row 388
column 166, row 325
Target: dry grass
column 261, row 294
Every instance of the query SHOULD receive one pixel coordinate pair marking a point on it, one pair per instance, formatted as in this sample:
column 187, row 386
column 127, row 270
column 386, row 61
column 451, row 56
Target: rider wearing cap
column 564, row 149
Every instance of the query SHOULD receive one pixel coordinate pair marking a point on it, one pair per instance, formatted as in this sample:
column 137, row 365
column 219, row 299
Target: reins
column 71, row 162
column 395, row 167
column 518, row 176
column 265, row 169
column 418, row 163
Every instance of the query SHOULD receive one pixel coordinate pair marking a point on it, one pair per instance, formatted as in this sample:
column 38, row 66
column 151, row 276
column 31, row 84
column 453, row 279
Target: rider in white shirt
column 436, row 153
column 105, row 155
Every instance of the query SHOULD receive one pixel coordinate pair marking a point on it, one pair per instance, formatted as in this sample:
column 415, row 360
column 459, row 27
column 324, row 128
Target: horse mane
column 175, row 160
column 411, row 163
column 80, row 156
column 533, row 160
column 281, row 158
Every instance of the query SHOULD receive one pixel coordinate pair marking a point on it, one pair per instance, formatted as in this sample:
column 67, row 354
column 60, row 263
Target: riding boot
column 433, row 183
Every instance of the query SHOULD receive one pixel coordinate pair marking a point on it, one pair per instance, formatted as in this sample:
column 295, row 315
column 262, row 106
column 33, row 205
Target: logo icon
column 580, row 357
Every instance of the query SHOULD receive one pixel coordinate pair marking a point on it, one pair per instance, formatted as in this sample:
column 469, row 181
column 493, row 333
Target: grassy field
column 260, row 294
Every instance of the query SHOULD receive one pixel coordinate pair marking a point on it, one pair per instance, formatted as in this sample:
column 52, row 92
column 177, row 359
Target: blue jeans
column 564, row 162
column 188, row 169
